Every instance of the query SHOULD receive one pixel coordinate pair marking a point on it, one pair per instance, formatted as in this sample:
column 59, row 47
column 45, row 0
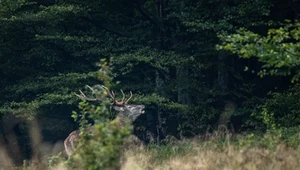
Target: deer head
column 125, row 112
column 131, row 112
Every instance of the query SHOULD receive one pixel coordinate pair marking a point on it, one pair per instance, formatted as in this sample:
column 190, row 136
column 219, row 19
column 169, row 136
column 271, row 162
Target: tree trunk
column 160, row 131
column 183, row 95
column 229, row 106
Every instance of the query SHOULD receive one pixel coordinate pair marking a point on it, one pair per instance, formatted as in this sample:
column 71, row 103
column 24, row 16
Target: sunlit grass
column 243, row 152
column 196, row 154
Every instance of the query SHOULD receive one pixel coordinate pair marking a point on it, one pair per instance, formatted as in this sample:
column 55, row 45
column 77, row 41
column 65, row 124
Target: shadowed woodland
column 218, row 78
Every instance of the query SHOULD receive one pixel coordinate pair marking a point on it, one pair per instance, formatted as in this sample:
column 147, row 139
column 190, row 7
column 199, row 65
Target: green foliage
column 39, row 67
column 40, row 92
column 197, row 119
column 272, row 138
column 278, row 51
column 244, row 115
column 54, row 161
column 170, row 150
column 290, row 135
column 49, row 49
column 43, row 40
column 269, row 139
column 100, row 145
column 282, row 109
column 233, row 13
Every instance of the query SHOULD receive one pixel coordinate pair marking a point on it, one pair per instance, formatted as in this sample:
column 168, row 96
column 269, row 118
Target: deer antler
column 83, row 96
column 111, row 94
column 129, row 98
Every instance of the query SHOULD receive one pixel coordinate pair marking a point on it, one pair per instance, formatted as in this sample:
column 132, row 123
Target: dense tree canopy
column 164, row 51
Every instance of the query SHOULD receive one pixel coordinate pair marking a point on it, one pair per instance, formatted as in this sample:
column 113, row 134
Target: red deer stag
column 126, row 112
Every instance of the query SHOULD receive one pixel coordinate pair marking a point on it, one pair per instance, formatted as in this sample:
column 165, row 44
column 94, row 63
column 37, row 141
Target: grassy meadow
column 198, row 155
column 268, row 151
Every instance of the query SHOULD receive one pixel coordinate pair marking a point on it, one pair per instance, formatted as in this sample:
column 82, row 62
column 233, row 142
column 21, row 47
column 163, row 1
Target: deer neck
column 122, row 120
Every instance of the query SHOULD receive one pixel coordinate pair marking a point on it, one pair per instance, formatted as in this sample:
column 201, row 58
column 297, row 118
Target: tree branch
column 144, row 12
column 90, row 19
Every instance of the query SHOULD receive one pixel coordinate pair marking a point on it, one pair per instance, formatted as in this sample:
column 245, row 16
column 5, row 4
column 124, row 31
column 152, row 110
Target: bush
column 282, row 110
column 100, row 145
column 100, row 149
column 272, row 138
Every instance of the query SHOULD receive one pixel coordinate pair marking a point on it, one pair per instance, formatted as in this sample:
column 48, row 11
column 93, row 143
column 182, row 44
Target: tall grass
column 41, row 151
column 244, row 152
column 212, row 155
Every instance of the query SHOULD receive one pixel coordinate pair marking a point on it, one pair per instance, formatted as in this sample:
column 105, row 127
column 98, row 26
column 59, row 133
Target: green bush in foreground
column 101, row 148
column 272, row 138
column 100, row 144
column 282, row 110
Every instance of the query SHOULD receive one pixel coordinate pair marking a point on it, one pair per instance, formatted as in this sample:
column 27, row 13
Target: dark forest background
column 169, row 53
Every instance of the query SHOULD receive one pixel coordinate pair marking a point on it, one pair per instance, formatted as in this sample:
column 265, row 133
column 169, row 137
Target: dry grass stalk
column 210, row 158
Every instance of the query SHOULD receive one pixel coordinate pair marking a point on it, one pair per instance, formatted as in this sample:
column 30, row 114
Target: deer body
column 69, row 142
column 126, row 113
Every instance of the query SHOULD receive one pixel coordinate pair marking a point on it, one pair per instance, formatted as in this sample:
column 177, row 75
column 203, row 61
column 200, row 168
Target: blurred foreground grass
column 268, row 151
column 195, row 154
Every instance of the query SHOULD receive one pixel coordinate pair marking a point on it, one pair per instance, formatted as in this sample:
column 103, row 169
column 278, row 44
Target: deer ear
column 118, row 108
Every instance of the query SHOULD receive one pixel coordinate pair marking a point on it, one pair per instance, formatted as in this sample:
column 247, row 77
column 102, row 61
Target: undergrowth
column 269, row 151
column 272, row 150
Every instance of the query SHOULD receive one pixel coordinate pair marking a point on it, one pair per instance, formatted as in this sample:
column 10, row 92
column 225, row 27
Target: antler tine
column 93, row 91
column 123, row 98
column 129, row 98
column 104, row 87
column 111, row 94
column 83, row 96
column 81, row 93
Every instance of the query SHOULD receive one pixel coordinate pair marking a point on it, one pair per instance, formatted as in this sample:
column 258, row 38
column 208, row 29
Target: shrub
column 282, row 110
column 100, row 145
column 272, row 138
